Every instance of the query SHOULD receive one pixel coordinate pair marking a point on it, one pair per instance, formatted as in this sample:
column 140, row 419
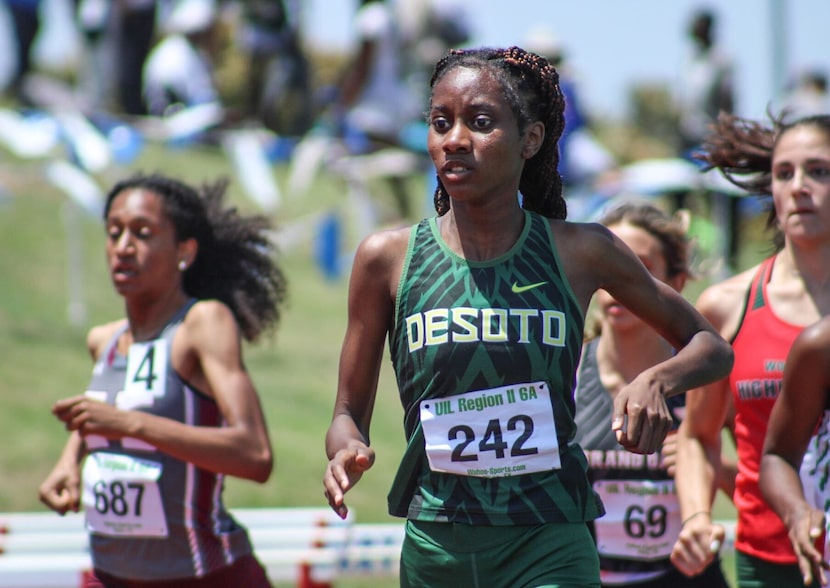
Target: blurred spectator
column 808, row 96
column 95, row 85
column 279, row 77
column 136, row 20
column 707, row 84
column 119, row 34
column 25, row 17
column 429, row 28
column 373, row 104
column 581, row 157
column 178, row 72
column 708, row 90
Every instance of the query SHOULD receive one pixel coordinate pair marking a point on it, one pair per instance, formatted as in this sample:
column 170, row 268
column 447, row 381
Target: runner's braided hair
column 531, row 88
column 742, row 150
column 235, row 262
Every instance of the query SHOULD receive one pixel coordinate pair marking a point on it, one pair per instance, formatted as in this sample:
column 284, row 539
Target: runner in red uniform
column 761, row 311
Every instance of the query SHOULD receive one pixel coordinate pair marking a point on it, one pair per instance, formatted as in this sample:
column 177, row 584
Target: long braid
column 531, row 87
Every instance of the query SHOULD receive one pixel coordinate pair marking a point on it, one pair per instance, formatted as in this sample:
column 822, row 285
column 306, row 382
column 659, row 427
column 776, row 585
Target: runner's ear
column 533, row 136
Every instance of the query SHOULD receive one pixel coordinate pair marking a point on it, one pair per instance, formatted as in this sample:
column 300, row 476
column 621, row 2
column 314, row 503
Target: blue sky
column 615, row 43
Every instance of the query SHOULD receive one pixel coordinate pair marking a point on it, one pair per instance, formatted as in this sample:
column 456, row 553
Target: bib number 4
column 146, row 375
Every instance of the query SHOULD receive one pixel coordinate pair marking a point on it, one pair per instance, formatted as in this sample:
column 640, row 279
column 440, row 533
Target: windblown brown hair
column 742, row 149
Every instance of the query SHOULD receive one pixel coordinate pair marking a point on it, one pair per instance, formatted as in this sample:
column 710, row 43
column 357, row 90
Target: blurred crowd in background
column 231, row 64
column 153, row 57
column 146, row 57
column 250, row 59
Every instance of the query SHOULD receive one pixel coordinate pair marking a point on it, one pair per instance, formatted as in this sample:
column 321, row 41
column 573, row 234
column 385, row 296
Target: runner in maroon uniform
column 171, row 409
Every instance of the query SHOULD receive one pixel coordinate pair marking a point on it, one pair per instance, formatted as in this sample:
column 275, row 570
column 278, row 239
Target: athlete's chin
column 124, row 287
column 459, row 188
column 623, row 321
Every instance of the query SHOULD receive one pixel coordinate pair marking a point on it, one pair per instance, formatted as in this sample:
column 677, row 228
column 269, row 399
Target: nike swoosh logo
column 519, row 289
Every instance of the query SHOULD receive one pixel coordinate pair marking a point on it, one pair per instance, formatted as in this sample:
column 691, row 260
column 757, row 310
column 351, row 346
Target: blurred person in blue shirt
column 25, row 16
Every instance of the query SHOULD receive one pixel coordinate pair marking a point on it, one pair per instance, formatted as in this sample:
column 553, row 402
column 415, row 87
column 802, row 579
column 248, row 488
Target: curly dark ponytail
column 236, row 259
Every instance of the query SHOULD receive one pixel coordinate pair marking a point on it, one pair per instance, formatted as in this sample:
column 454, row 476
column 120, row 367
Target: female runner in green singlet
column 484, row 307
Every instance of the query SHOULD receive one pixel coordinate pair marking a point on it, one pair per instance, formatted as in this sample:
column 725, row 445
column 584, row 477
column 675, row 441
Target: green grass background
column 43, row 356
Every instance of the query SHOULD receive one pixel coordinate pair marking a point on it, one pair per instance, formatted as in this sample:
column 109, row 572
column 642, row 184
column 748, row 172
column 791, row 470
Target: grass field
column 44, row 357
